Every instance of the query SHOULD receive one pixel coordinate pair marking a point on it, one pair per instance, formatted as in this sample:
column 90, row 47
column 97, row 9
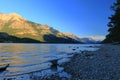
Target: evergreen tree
column 114, row 24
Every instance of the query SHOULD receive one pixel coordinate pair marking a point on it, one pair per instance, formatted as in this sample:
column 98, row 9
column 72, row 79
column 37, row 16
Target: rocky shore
column 103, row 64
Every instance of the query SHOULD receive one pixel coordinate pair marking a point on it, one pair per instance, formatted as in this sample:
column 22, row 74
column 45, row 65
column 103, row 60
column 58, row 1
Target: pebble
column 103, row 64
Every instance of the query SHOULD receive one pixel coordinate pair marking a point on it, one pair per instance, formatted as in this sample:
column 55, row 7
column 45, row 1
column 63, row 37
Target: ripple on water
column 33, row 59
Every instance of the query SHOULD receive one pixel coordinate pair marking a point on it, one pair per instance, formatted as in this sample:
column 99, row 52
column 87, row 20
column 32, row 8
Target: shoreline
column 101, row 64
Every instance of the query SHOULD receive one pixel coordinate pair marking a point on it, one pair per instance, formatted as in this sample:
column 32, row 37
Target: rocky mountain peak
column 12, row 16
column 15, row 15
column 15, row 25
column 68, row 33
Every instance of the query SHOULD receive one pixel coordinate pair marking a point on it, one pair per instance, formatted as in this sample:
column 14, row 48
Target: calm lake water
column 27, row 58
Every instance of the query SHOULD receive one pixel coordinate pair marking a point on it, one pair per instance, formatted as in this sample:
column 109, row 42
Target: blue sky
column 80, row 17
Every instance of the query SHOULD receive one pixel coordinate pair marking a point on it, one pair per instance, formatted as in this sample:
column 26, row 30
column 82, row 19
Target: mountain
column 86, row 40
column 14, row 25
column 73, row 36
column 90, row 41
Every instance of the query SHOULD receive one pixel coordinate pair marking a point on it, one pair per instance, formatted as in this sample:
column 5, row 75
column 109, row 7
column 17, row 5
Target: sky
column 80, row 17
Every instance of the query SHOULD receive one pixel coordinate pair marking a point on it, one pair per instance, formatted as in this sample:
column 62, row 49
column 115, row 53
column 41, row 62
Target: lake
column 30, row 58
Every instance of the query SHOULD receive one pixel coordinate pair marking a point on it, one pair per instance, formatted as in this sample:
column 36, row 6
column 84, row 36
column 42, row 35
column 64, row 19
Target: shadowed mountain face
column 6, row 38
column 90, row 41
column 86, row 40
column 73, row 36
column 16, row 26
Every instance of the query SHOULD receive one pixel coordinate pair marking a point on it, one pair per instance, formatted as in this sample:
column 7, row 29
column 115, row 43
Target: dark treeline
column 49, row 38
column 114, row 25
column 6, row 38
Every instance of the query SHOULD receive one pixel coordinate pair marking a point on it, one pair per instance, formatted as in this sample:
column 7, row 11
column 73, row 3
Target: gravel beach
column 103, row 64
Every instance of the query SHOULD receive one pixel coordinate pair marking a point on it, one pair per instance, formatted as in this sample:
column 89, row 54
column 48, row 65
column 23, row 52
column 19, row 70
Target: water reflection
column 25, row 58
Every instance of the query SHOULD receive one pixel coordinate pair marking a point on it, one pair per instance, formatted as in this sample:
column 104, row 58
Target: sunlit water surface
column 28, row 58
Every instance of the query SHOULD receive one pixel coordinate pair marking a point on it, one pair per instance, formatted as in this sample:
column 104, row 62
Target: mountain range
column 86, row 40
column 14, row 28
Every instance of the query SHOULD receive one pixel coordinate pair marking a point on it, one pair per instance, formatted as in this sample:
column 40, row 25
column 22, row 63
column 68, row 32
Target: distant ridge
column 85, row 40
column 15, row 25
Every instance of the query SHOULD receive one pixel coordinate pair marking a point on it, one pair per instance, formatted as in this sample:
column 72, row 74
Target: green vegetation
column 114, row 25
column 6, row 38
column 19, row 30
column 6, row 27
